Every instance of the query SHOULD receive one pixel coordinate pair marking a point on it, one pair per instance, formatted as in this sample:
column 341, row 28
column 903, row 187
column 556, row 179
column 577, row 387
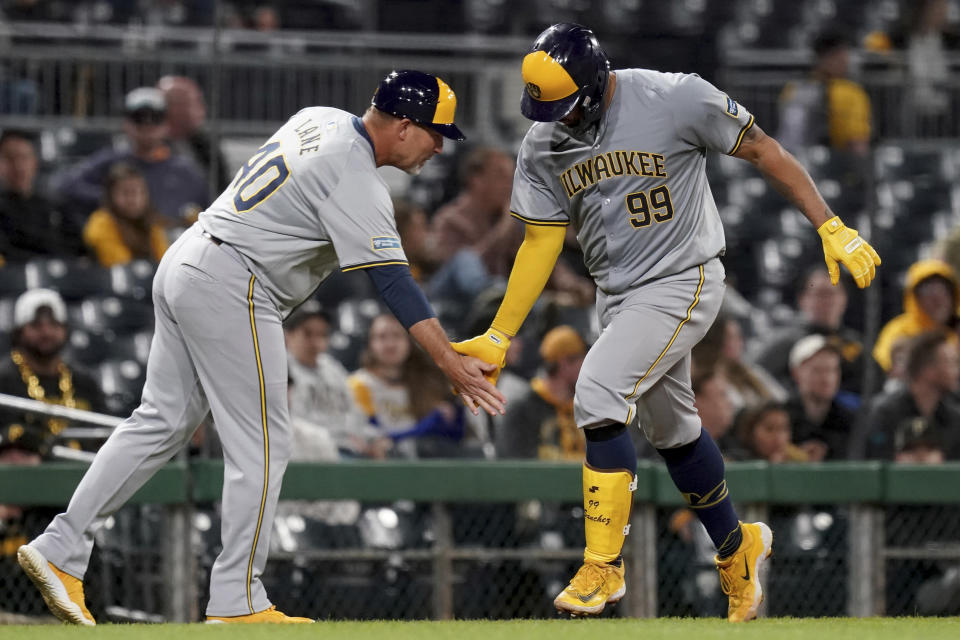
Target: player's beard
column 415, row 169
column 44, row 353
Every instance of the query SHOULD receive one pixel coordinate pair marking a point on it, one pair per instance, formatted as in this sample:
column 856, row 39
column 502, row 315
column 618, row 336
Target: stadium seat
column 67, row 144
column 342, row 286
column 353, row 316
column 122, row 382
column 112, row 314
column 6, row 313
column 13, row 279
column 87, row 348
column 73, row 279
column 133, row 280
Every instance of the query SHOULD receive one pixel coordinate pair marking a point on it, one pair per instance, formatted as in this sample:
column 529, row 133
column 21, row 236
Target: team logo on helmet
column 533, row 90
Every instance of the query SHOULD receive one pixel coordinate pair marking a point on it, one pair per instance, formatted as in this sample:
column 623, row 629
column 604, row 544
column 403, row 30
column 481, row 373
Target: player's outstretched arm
column 841, row 244
column 406, row 301
column 532, row 267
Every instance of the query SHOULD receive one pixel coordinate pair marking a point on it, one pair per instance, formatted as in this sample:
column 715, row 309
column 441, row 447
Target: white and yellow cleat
column 591, row 589
column 62, row 592
column 267, row 616
column 740, row 572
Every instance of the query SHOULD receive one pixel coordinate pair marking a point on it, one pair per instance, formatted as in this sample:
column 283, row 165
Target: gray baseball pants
column 643, row 355
column 218, row 346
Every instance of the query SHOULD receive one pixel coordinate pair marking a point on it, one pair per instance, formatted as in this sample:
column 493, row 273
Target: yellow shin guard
column 607, row 499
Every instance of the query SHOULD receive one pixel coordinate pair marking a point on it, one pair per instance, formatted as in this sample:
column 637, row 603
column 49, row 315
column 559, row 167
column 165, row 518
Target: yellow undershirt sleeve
column 532, row 267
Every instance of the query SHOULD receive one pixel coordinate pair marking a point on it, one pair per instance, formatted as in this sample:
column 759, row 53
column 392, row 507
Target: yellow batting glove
column 841, row 244
column 490, row 347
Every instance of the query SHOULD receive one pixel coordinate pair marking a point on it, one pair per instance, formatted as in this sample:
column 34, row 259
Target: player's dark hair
column 921, row 351
column 748, row 420
column 135, row 232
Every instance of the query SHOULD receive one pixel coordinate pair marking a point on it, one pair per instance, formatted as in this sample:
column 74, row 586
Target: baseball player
column 621, row 156
column 308, row 201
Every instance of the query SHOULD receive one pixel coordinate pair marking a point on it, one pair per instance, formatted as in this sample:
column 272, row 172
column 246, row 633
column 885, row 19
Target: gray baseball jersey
column 308, row 201
column 638, row 194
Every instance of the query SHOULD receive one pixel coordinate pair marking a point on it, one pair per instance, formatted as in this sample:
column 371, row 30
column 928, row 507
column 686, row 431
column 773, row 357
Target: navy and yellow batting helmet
column 421, row 97
column 565, row 67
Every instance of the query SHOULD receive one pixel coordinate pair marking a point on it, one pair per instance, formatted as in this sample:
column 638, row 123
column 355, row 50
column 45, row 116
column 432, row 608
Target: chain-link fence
column 444, row 558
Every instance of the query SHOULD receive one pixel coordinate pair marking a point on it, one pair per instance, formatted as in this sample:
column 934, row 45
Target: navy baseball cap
column 420, row 97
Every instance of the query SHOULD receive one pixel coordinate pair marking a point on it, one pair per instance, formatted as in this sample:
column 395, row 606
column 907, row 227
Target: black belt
column 212, row 238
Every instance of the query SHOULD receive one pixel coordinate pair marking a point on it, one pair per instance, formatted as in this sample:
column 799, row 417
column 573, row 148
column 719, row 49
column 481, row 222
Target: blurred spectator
column 821, row 308
column 324, row 419
column 178, row 188
column 822, row 427
column 540, row 423
column 827, row 108
column 125, row 227
column 924, row 415
column 30, row 224
column 419, row 242
column 897, row 374
column 36, row 369
column 948, row 249
column 766, row 433
column 186, row 117
column 184, row 13
column 711, row 393
column 34, row 10
column 927, row 104
column 930, row 298
column 476, row 235
column 570, row 283
column 722, row 348
column 405, row 396
column 324, row 416
column 265, row 18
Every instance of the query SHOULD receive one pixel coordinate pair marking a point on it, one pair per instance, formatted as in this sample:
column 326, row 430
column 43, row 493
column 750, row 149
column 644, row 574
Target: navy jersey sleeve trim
column 400, row 293
column 541, row 223
column 743, row 132
column 376, row 263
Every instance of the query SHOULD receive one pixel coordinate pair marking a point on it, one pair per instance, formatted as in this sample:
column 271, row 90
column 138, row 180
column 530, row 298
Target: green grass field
column 603, row 629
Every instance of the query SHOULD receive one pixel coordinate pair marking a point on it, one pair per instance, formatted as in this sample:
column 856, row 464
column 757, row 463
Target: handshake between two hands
column 490, row 347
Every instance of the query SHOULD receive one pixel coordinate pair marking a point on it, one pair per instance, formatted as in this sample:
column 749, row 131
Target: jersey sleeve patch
column 381, row 243
column 732, row 109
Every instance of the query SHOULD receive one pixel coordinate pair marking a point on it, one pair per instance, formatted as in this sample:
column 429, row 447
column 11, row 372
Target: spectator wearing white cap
column 821, row 426
column 35, row 369
column 178, row 187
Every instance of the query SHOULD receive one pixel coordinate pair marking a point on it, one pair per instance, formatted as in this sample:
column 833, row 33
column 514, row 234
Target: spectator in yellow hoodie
column 125, row 227
column 930, row 297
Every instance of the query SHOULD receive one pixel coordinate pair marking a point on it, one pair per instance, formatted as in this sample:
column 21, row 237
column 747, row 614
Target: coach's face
column 417, row 145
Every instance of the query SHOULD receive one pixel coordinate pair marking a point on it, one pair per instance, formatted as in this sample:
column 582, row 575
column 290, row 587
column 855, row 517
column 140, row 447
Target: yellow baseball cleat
column 740, row 573
column 62, row 592
column 591, row 589
column 267, row 616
